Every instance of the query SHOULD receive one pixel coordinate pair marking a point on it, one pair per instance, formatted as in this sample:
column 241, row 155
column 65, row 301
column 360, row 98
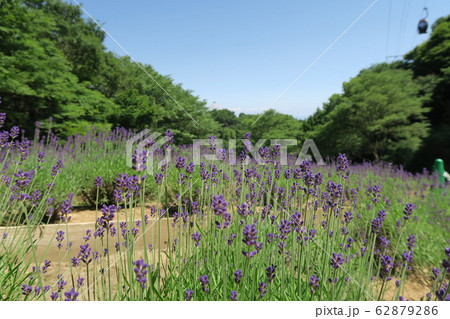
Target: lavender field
column 214, row 231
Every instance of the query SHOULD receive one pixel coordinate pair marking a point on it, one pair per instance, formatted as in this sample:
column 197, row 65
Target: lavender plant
column 213, row 232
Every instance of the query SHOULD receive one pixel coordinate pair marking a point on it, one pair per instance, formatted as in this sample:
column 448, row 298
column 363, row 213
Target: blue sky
column 244, row 54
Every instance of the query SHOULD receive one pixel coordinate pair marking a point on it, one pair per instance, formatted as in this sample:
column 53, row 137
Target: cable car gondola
column 423, row 24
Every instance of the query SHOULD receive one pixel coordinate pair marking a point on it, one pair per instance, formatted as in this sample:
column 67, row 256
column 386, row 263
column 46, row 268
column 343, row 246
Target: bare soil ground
column 415, row 288
column 84, row 215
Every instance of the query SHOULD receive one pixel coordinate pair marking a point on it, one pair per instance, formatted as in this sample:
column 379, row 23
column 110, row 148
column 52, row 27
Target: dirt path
column 83, row 215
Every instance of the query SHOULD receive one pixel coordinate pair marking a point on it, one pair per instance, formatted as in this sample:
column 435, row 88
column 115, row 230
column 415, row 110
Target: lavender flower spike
column 204, row 281
column 141, row 272
column 71, row 295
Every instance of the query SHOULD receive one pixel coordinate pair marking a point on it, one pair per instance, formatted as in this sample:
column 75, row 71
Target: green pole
column 439, row 167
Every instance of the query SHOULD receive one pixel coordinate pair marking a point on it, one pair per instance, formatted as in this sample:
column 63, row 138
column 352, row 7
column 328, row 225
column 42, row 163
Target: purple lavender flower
column 377, row 223
column 262, row 289
column 23, row 179
column 242, row 209
column 259, row 247
column 189, row 294
column 212, row 143
column 75, row 261
column 80, row 282
column 168, row 138
column 100, row 230
column 282, row 245
column 250, row 235
column 61, row 283
column 386, row 265
column 440, row 293
column 410, row 242
column 314, row 283
column 98, row 182
column 158, row 178
column 2, row 119
column 108, row 214
column 284, row 227
column 231, row 239
column 190, row 168
column 95, row 255
column 272, row 218
column 296, row 221
column 219, row 205
column 138, row 160
column 141, row 272
column 66, row 208
column 436, row 272
column 375, row 190
column 408, row 256
column 342, row 163
column 88, row 235
column 23, row 148
column 336, row 260
column 237, row 276
column 14, row 132
column 26, row 289
column 270, row 272
column 196, row 237
column 47, row 264
column 180, row 163
column 382, row 215
column 85, row 254
column 54, row 296
column 349, row 243
column 204, row 281
column 71, row 295
column 41, row 156
column 409, row 209
column 4, row 138
column 233, row 295
column 348, row 216
column 46, row 289
column 276, row 148
column 384, row 242
column 56, row 169
column 59, row 238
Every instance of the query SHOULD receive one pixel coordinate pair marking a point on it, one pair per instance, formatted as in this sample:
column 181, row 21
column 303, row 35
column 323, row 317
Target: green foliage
column 53, row 63
column 379, row 116
column 432, row 56
column 431, row 60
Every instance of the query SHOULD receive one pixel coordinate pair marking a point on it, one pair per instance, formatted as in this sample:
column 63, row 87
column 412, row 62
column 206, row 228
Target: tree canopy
column 379, row 116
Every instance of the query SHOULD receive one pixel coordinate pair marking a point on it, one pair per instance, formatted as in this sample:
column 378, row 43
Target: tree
column 379, row 116
column 53, row 63
column 430, row 62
